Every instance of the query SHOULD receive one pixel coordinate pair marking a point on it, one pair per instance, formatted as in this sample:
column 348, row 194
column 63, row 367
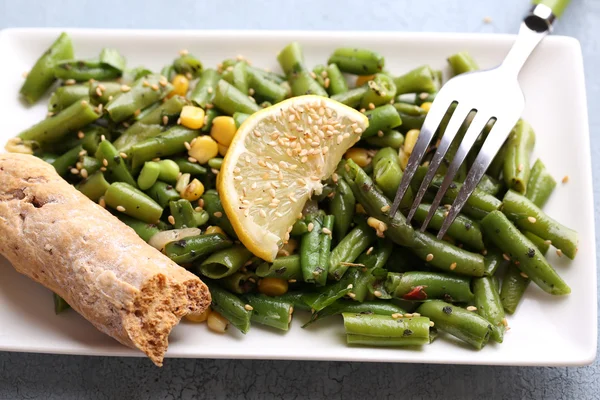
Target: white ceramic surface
column 545, row 330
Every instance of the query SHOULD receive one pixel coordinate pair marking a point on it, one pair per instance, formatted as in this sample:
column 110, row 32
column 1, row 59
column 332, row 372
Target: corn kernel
column 288, row 248
column 273, row 286
column 203, row 149
column 181, row 85
column 359, row 156
column 402, row 159
column 198, row 317
column 410, row 140
column 223, row 129
column 359, row 209
column 215, row 229
column 193, row 191
column 361, row 80
column 217, row 323
column 192, row 117
column 426, row 106
column 223, row 150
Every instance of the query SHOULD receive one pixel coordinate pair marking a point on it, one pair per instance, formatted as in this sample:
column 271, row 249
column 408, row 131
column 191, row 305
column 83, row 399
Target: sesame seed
column 380, row 133
column 69, row 82
column 310, row 226
column 326, row 231
column 218, row 214
column 80, row 135
column 327, row 82
column 171, row 220
column 198, row 209
column 559, row 252
column 192, row 160
column 74, row 171
column 487, row 20
column 452, row 266
column 505, row 256
column 123, row 155
column 163, row 82
column 532, row 220
column 484, row 252
column 84, row 173
column 548, row 242
column 105, row 162
column 431, row 323
column 565, row 179
column 471, row 308
column 524, row 275
column 408, row 315
column 120, row 208
column 248, row 307
column 371, row 106
column 377, row 293
column 429, row 257
column 82, row 153
column 84, row 103
column 396, row 315
column 101, row 202
column 262, row 213
column 125, row 88
column 187, row 146
column 110, row 98
column 146, row 83
column 103, row 169
column 385, row 208
column 99, row 91
column 352, row 295
column 291, row 281
column 154, row 86
column 520, row 167
column 184, row 52
column 504, row 322
column 137, row 112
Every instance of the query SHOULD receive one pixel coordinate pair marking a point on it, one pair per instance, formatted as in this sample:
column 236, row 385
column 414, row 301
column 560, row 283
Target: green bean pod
column 187, row 167
column 135, row 134
column 230, row 100
column 53, row 129
column 237, row 76
column 133, row 202
column 392, row 138
column 204, row 91
column 114, row 163
column 347, row 306
column 185, row 216
column 66, row 161
column 41, row 76
column 163, row 193
column 148, row 175
column 352, row 97
column 225, row 262
column 89, row 164
column 103, row 92
column 303, row 83
column 462, row 63
column 528, row 217
column 60, row 304
column 382, row 118
column 92, row 135
column 270, row 311
column 489, row 305
column 493, row 260
column 465, row 325
column 357, row 61
column 94, row 187
column 187, row 250
column 419, row 286
column 143, row 229
column 412, row 116
column 187, row 64
column 516, row 163
column 386, row 171
column 381, row 91
column 265, row 88
column 328, row 295
column 386, row 331
column 348, row 250
column 520, row 249
column 342, row 206
column 540, row 184
column 420, row 80
column 513, row 288
column 230, row 306
column 64, row 96
column 489, row 185
column 337, row 81
column 287, row 268
column 165, row 144
column 315, row 248
column 144, row 92
column 240, row 282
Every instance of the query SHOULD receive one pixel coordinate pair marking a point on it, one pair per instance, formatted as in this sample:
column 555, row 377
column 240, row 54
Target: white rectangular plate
column 545, row 330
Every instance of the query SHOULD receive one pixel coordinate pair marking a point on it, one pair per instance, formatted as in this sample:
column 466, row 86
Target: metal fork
column 493, row 95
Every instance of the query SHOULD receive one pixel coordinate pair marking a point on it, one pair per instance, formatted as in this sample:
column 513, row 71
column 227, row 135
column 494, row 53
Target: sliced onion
column 160, row 240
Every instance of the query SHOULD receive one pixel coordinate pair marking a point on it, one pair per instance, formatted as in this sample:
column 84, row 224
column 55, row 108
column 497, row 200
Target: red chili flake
column 418, row 293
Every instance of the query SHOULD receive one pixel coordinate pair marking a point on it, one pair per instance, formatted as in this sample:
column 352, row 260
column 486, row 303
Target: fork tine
column 432, row 121
column 458, row 117
column 473, row 132
column 492, row 144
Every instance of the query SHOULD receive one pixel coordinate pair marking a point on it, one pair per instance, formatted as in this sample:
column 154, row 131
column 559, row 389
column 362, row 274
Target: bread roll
column 61, row 239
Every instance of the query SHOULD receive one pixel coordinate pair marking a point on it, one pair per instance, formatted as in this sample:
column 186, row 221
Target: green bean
column 489, row 306
column 540, row 243
column 352, row 97
column 230, row 100
column 239, row 118
column 165, row 144
column 163, row 193
column 445, row 256
column 185, row 216
column 341, row 207
column 496, row 167
column 412, row 116
column 383, row 119
column 493, row 260
column 465, row 325
column 131, row 75
column 420, row 80
column 516, row 163
column 520, row 249
column 240, row 282
column 53, row 129
column 238, row 77
column 514, row 285
column 303, row 83
column 168, row 171
column 230, row 307
column 192, row 248
column 102, row 92
column 348, row 250
column 291, row 59
column 386, row 331
column 386, row 171
column 328, row 295
column 148, row 175
column 187, row 64
column 270, row 311
column 203, row 92
column 265, row 88
column 143, row 229
column 212, row 204
column 377, row 205
column 463, row 228
column 381, row 91
column 144, row 92
column 108, row 66
column 209, row 115
column 41, row 76
column 489, row 185
column 299, row 77
column 265, row 73
column 392, row 138
column 225, row 262
column 540, row 184
column 297, row 299
column 133, row 202
column 419, row 286
column 114, row 163
column 135, row 134
column 170, row 109
column 462, row 62
column 92, row 135
column 315, row 249
column 287, row 267
column 357, row 61
column 528, row 217
column 94, row 186
column 60, row 304
column 348, row 306
column 299, row 228
column 215, row 162
column 65, row 162
column 337, row 81
column 64, row 96
column 187, row 167
column 89, row 164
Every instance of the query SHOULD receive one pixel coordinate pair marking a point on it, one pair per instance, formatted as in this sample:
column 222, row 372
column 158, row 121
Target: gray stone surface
column 33, row 376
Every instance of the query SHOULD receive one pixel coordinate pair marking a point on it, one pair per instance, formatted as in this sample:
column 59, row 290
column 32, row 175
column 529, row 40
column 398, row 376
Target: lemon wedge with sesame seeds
column 277, row 160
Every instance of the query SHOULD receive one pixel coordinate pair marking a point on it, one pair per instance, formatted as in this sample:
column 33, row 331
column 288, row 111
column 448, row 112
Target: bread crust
column 61, row 239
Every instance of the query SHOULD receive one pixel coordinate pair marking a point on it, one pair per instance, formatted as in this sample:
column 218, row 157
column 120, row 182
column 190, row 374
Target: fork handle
column 557, row 6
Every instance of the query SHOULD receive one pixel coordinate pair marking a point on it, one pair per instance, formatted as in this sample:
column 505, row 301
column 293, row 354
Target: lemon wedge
column 277, row 160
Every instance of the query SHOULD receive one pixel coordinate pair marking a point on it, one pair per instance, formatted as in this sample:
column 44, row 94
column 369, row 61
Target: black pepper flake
column 280, row 271
column 530, row 252
column 468, row 226
column 407, row 332
column 169, row 187
column 447, row 310
column 497, row 230
column 117, row 159
column 366, row 312
column 453, row 185
column 448, row 298
column 181, row 243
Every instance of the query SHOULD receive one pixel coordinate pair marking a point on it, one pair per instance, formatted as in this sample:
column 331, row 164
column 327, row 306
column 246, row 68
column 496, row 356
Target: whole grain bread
column 61, row 239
